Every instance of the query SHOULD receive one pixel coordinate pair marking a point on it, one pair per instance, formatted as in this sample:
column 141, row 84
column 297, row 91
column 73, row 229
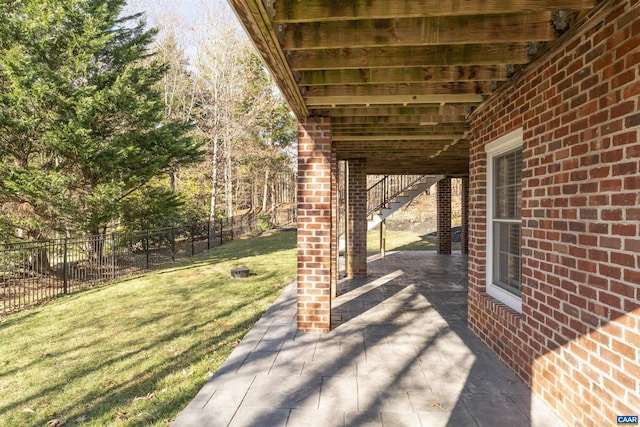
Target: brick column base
column 444, row 216
column 357, row 219
column 314, row 225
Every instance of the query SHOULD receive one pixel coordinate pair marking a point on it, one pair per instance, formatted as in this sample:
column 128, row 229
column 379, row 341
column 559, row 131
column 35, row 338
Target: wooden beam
column 413, row 166
column 460, row 127
column 324, row 101
column 417, row 153
column 379, row 135
column 404, row 138
column 434, row 110
column 393, row 132
column 412, row 56
column 322, row 10
column 404, row 75
column 396, row 120
column 390, row 152
column 521, row 27
column 426, row 127
column 437, row 88
column 399, row 119
column 256, row 22
column 372, row 147
column 393, row 157
column 400, row 130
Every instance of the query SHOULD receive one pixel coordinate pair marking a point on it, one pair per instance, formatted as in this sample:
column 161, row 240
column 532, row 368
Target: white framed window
column 504, row 219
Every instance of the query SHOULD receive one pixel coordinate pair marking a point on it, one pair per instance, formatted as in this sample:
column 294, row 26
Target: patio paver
column 400, row 354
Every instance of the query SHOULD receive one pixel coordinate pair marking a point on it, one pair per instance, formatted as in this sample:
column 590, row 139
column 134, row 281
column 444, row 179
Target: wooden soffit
column 399, row 77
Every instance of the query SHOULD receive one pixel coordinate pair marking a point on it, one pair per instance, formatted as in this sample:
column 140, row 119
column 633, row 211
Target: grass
column 400, row 240
column 137, row 351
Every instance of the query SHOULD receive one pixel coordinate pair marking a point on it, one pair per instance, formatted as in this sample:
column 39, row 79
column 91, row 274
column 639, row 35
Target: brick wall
column 577, row 340
column 357, row 219
column 316, row 233
column 444, row 216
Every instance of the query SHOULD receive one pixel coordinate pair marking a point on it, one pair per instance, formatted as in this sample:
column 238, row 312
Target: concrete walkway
column 400, row 354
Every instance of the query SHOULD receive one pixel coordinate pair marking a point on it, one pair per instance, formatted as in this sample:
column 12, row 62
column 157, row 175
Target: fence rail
column 35, row 272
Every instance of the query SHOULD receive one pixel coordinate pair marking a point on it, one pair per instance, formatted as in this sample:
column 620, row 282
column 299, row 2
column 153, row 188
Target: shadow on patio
column 400, row 353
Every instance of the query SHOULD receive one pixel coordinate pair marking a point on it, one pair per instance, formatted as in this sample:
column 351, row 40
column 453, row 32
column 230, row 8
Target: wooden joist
column 322, row 10
column 465, row 29
column 429, row 88
column 383, row 99
column 412, row 165
column 395, row 137
column 409, row 56
column 399, row 77
column 403, row 75
column 378, row 135
column 402, row 127
column 395, row 120
column 409, row 131
column 423, row 113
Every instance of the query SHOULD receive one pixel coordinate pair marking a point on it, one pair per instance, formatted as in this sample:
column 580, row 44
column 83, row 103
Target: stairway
column 389, row 194
column 397, row 201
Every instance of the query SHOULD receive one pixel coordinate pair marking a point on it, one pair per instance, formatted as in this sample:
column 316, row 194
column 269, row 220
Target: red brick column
column 464, row 213
column 335, row 215
column 357, row 219
column 314, row 224
column 444, row 216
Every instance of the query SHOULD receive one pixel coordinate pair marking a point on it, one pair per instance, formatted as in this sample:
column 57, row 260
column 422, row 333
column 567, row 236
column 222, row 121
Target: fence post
column 232, row 225
column 173, row 244
column 221, row 232
column 113, row 255
column 64, row 267
column 147, row 248
column 384, row 192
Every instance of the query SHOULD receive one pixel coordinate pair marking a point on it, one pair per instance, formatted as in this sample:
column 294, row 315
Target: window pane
column 508, row 185
column 506, row 268
column 502, row 200
column 507, row 194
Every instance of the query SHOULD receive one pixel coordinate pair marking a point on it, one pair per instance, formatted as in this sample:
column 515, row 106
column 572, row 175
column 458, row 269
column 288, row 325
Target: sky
column 191, row 19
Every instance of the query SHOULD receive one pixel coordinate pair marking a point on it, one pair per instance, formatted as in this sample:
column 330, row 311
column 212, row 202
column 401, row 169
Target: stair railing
column 382, row 192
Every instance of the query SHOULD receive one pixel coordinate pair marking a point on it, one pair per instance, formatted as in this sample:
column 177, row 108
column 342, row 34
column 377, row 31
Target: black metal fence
column 35, row 272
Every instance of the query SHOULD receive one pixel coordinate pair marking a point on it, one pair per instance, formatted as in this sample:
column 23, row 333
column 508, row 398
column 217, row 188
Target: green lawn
column 135, row 352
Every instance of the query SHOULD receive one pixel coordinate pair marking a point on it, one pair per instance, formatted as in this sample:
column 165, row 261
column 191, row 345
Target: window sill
column 500, row 310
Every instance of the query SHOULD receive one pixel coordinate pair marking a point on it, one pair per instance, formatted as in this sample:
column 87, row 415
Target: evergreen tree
column 82, row 123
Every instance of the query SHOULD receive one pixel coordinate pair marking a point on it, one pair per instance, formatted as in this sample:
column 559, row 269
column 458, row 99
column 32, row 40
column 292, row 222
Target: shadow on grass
column 118, row 395
column 216, row 342
column 429, row 242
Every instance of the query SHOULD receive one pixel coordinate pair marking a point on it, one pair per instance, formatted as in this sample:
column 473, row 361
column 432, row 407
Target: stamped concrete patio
column 400, row 354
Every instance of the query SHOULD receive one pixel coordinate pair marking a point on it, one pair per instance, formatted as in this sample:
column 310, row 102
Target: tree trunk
column 38, row 261
column 254, row 195
column 172, row 181
column 265, row 191
column 228, row 177
column 214, row 178
column 95, row 246
column 273, row 197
